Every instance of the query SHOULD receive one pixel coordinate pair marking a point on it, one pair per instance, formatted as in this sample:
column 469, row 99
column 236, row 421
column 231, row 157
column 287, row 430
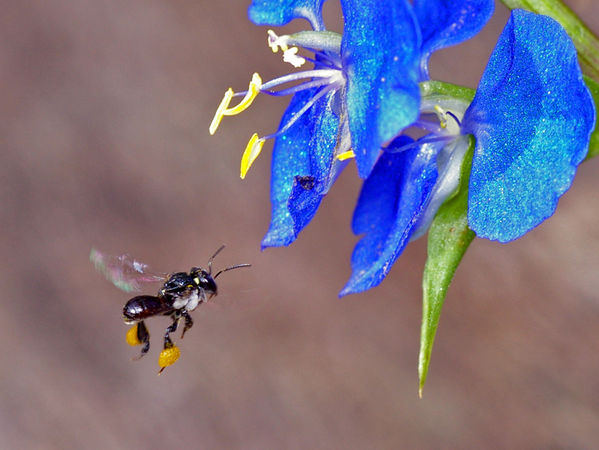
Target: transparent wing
column 124, row 272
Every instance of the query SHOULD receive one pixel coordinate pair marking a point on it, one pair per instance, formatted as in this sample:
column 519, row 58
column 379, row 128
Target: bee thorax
column 189, row 300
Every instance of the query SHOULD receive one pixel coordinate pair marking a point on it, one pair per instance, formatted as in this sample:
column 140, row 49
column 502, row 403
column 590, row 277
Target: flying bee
column 180, row 294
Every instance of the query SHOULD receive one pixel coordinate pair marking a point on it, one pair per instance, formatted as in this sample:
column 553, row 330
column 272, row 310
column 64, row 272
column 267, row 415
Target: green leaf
column 594, row 143
column 448, row 239
column 585, row 41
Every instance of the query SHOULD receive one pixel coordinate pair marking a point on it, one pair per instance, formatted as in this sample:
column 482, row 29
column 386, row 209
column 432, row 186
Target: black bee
column 180, row 294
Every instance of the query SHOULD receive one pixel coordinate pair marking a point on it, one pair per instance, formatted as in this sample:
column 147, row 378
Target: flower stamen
column 444, row 116
column 345, row 155
column 325, row 78
column 254, row 146
column 330, row 74
column 290, row 56
column 441, row 115
column 251, row 152
column 289, row 53
column 275, row 41
column 297, row 88
column 224, row 110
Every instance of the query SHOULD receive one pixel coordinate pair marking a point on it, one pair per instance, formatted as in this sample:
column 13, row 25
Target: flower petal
column 449, row 22
column 303, row 167
column 392, row 200
column 532, row 116
column 281, row 12
column 380, row 51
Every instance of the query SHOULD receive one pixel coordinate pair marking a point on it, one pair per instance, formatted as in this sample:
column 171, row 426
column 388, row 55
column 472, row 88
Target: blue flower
column 361, row 93
column 531, row 116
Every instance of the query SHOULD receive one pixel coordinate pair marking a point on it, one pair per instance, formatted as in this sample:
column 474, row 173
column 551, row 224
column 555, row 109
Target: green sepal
column 585, row 41
column 321, row 40
column 439, row 90
column 594, row 142
column 448, row 238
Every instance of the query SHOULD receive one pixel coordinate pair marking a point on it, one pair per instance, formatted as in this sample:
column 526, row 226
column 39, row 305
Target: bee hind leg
column 170, row 329
column 188, row 322
column 143, row 336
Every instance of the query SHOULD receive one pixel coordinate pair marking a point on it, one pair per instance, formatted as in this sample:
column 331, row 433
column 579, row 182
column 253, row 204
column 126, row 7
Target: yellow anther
column 252, row 93
column 220, row 111
column 224, row 110
column 168, row 357
column 131, row 337
column 252, row 150
column 346, row 155
column 442, row 115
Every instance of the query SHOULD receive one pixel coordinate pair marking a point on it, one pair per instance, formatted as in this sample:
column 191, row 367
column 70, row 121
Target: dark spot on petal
column 306, row 182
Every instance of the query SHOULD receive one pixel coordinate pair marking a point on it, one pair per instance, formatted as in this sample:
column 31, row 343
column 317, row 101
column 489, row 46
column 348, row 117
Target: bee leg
column 171, row 329
column 143, row 336
column 188, row 322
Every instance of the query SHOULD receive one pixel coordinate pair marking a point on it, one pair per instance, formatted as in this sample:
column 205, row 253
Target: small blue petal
column 304, row 200
column 380, row 51
column 532, row 117
column 449, row 22
column 281, row 12
column 303, row 167
column 289, row 158
column 393, row 198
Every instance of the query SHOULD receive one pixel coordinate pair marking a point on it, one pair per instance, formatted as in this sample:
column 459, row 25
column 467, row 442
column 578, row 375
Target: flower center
column 326, row 77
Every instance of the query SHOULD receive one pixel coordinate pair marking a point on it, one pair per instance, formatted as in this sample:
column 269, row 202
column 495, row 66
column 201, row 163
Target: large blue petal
column 380, row 51
column 449, row 22
column 532, row 117
column 281, row 12
column 303, row 167
column 392, row 200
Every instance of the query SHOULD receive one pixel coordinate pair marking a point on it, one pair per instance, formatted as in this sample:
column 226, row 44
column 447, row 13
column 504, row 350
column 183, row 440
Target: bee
column 180, row 294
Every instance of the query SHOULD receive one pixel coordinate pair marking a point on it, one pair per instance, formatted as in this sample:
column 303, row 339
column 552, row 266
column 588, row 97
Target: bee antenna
column 236, row 266
column 212, row 258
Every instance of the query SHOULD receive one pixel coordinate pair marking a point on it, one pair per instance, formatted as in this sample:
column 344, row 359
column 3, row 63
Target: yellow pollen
column 224, row 110
column 131, row 337
column 168, row 357
column 346, row 155
column 252, row 150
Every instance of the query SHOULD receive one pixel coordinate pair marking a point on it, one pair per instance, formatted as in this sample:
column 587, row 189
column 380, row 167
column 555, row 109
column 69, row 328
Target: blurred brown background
column 104, row 110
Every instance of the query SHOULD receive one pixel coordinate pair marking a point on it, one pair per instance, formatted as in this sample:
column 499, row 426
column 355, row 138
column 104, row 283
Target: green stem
column 594, row 142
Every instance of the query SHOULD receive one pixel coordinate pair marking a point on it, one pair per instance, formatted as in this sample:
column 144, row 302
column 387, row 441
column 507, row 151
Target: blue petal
column 380, row 50
column 303, row 168
column 449, row 22
column 532, row 117
column 281, row 12
column 392, row 200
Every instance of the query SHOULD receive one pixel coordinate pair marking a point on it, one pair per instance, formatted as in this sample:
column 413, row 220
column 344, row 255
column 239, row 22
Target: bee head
column 204, row 280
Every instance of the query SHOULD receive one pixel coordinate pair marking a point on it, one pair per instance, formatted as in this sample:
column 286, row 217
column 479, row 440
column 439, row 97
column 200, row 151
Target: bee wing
column 124, row 272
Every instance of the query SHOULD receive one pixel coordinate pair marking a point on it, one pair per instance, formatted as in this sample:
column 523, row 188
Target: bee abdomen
column 144, row 306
